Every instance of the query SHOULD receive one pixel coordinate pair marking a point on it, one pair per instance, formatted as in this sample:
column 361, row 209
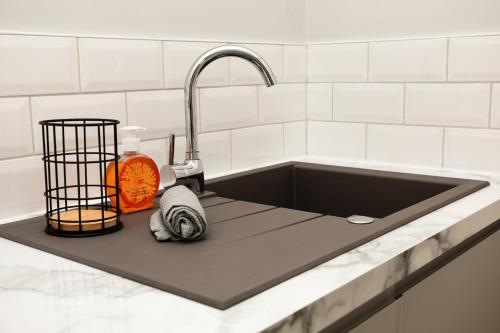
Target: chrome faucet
column 190, row 172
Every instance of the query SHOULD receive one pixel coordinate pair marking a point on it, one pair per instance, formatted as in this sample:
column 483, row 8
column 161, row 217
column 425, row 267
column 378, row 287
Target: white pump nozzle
column 131, row 141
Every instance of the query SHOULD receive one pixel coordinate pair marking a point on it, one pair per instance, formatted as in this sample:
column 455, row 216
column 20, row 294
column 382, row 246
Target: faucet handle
column 171, row 149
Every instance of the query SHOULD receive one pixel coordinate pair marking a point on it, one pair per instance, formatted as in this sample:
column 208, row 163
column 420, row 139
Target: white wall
column 428, row 102
column 279, row 21
column 341, row 20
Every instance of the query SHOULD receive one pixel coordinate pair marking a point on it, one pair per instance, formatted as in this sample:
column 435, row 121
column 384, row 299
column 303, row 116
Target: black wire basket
column 79, row 185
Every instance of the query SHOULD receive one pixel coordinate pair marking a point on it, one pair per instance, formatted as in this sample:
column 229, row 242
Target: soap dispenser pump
column 138, row 174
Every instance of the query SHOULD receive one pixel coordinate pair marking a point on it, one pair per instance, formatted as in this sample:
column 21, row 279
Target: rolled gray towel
column 180, row 217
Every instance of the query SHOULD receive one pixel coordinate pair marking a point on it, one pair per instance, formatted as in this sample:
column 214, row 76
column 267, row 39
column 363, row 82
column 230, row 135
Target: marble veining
column 45, row 293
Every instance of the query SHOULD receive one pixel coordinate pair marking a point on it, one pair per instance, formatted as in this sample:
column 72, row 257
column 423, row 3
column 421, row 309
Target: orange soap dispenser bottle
column 138, row 174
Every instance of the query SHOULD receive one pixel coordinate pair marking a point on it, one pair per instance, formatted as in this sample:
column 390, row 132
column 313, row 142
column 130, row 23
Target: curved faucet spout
column 190, row 173
column 206, row 58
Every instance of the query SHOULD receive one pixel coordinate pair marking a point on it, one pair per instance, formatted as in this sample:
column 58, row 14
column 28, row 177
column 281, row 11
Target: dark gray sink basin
column 265, row 226
column 344, row 191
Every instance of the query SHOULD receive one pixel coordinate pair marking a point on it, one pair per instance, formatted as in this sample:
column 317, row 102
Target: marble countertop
column 45, row 293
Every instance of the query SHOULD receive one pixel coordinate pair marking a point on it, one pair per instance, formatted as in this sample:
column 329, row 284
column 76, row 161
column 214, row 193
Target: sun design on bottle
column 138, row 182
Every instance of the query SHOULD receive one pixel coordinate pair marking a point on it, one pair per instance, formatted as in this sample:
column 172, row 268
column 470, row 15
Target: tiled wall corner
column 294, row 137
column 294, row 63
column 319, row 101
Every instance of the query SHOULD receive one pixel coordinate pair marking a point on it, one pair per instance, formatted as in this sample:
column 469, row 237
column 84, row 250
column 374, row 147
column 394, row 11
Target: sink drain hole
column 360, row 219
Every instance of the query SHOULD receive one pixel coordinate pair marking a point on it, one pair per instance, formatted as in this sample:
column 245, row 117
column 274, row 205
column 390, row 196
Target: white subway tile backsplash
column 411, row 60
column 110, row 105
column 339, row 140
column 327, row 116
column 319, row 101
column 215, row 151
column 295, row 139
column 22, row 181
column 495, row 105
column 282, row 102
column 178, row 58
column 474, row 58
column 472, row 149
column 161, row 112
column 119, row 64
column 242, row 72
column 415, row 145
column 157, row 150
column 337, row 62
column 33, row 65
column 294, row 63
column 368, row 102
column 15, row 127
column 228, row 107
column 256, row 145
column 454, row 104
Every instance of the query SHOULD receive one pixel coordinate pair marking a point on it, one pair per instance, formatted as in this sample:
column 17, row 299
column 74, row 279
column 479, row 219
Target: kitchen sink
column 344, row 191
column 264, row 227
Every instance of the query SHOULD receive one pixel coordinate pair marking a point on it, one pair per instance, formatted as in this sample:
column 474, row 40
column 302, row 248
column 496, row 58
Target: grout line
column 228, row 72
column 401, row 124
column 78, row 65
column 135, row 90
column 307, row 63
column 126, row 108
column 368, row 62
column 283, row 140
column 447, row 58
column 490, row 106
column 238, row 85
column 442, row 147
column 366, row 141
column 32, row 127
column 401, row 39
column 48, row 34
column 306, row 139
column 283, row 64
column 144, row 38
column 331, row 101
column 230, row 149
column 404, row 103
column 163, row 63
column 258, row 105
